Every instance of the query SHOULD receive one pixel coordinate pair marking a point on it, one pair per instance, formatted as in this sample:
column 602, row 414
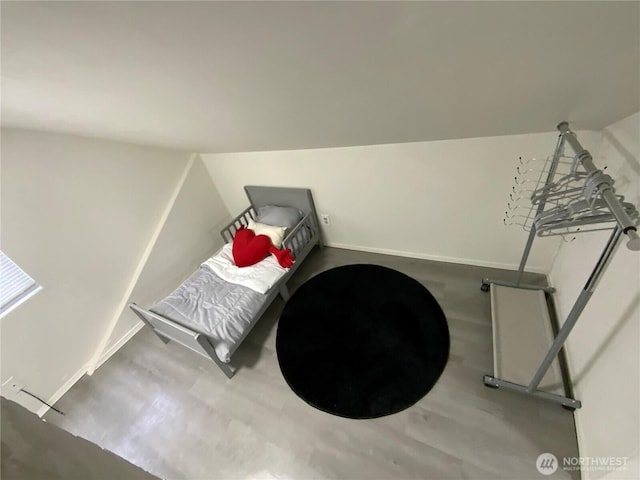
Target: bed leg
column 284, row 292
column 138, row 311
column 227, row 370
column 161, row 337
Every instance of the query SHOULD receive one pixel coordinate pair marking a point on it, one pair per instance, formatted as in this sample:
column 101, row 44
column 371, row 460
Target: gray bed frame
column 300, row 240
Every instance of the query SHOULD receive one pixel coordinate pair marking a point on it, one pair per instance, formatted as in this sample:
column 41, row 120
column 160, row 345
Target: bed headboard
column 283, row 196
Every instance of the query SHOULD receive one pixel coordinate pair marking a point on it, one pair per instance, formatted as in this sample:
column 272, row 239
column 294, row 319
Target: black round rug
column 362, row 341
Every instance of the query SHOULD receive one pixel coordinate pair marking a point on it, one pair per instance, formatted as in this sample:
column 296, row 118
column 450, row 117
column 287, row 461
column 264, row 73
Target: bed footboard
column 169, row 330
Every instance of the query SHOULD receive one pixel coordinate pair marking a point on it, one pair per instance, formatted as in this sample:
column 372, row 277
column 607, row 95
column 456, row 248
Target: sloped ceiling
column 244, row 76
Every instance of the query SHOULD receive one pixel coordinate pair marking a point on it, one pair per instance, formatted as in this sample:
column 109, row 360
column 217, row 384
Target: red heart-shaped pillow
column 249, row 248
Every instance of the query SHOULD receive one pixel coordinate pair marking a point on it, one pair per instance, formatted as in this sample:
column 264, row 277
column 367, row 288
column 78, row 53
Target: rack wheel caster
column 485, row 287
column 488, row 385
column 567, row 407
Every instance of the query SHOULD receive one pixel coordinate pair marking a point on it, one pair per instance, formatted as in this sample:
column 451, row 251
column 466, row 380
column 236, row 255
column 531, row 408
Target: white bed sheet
column 259, row 277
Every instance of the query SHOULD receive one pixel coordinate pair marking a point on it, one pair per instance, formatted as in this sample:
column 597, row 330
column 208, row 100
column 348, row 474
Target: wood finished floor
column 174, row 414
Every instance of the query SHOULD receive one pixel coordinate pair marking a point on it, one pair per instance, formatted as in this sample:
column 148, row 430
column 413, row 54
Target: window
column 15, row 285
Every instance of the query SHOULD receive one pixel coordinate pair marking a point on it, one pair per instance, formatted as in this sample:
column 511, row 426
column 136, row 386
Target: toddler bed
column 216, row 307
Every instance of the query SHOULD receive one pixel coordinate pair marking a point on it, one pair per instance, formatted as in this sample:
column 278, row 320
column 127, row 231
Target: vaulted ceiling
column 243, row 76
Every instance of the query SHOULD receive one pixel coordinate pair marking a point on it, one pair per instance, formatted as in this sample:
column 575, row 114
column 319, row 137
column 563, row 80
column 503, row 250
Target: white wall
column 441, row 200
column 603, row 347
column 190, row 235
column 257, row 76
column 76, row 215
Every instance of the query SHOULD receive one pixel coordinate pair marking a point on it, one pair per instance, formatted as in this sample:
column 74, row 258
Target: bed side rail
column 301, row 235
column 168, row 330
column 230, row 230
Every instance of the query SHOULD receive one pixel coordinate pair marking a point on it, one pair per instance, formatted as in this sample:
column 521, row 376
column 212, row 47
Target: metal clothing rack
column 570, row 196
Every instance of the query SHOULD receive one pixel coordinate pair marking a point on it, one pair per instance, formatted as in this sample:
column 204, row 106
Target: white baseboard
column 62, row 390
column 116, row 346
column 85, row 368
column 436, row 258
column 577, row 420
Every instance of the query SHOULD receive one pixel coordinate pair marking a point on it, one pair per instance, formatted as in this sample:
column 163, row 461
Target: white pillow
column 276, row 234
